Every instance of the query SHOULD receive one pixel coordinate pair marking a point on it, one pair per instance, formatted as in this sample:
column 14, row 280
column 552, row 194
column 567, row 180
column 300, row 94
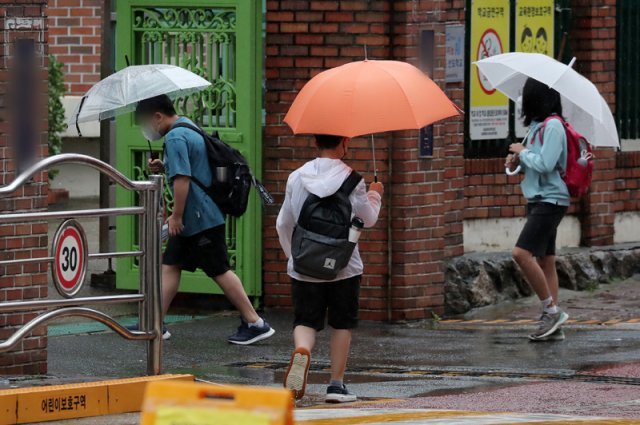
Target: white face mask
column 150, row 133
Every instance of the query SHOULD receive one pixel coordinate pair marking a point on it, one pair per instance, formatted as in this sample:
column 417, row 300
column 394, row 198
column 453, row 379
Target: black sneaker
column 336, row 394
column 165, row 332
column 247, row 335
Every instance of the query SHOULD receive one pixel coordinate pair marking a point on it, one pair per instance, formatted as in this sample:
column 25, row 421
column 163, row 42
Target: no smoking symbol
column 489, row 45
column 69, row 251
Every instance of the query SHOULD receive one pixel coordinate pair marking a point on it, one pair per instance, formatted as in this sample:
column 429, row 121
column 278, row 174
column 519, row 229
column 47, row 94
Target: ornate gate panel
column 220, row 40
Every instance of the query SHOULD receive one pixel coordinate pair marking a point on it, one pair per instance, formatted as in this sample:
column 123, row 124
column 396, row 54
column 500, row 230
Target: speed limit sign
column 69, row 251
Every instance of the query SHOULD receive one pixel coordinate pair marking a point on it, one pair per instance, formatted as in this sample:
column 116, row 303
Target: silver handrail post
column 154, row 218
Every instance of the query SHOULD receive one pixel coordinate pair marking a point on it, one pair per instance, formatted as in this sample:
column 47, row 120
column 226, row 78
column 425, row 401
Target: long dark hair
column 539, row 101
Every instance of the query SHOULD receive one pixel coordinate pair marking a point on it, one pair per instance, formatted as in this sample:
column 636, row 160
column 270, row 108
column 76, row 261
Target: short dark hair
column 539, row 101
column 327, row 141
column 150, row 106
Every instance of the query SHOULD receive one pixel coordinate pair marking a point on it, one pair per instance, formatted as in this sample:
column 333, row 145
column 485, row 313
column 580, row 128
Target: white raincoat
column 323, row 177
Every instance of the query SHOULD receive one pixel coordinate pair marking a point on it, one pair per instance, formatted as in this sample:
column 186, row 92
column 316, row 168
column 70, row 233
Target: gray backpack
column 320, row 244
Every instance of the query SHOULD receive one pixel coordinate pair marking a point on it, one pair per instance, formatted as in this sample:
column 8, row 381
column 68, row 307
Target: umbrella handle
column 508, row 172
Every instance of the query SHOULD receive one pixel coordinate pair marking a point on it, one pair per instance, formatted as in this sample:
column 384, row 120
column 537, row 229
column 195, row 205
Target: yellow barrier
column 174, row 402
column 55, row 402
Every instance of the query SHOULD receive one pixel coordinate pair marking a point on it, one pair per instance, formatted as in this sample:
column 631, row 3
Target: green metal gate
column 627, row 62
column 220, row 40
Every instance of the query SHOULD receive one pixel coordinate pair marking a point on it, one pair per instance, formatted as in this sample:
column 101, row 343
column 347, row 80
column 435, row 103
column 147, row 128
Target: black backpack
column 232, row 195
column 320, row 244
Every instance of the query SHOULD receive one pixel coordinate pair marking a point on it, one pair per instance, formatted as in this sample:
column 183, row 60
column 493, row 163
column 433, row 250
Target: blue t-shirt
column 185, row 154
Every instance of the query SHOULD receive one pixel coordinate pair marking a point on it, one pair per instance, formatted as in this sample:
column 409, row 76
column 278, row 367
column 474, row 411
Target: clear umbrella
column 582, row 104
column 120, row 92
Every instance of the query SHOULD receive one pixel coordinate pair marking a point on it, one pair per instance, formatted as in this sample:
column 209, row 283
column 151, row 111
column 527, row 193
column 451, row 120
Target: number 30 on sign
column 69, row 251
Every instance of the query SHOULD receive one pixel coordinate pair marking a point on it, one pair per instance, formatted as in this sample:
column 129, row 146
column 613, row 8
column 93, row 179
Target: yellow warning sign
column 534, row 34
column 488, row 108
column 534, row 26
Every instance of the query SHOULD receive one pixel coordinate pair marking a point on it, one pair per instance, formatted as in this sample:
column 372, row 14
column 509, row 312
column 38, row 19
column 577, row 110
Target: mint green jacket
column 543, row 162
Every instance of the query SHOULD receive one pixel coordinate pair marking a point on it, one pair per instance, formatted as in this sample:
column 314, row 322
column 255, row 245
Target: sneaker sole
column 550, row 338
column 339, row 398
column 563, row 318
column 296, row 378
column 260, row 337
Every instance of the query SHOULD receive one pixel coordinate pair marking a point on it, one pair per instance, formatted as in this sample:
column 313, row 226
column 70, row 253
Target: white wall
column 626, row 227
column 501, row 234
column 80, row 180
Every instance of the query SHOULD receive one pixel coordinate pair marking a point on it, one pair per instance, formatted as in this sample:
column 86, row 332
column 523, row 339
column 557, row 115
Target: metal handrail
column 150, row 297
column 49, row 215
column 11, row 306
column 80, row 312
column 76, row 158
column 96, row 256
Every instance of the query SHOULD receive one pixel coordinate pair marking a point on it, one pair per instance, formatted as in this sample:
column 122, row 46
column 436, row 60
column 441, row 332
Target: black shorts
column 205, row 250
column 539, row 233
column 312, row 300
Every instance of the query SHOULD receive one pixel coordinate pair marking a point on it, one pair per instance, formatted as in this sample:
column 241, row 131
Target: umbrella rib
column 415, row 120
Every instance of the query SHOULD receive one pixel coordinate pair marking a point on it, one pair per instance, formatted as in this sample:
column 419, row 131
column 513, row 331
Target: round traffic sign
column 69, row 251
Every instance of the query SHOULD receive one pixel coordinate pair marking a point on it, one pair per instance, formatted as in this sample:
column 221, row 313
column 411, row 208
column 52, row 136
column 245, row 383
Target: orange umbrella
column 368, row 97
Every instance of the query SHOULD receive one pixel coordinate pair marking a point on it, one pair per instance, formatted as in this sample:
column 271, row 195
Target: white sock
column 547, row 307
column 258, row 324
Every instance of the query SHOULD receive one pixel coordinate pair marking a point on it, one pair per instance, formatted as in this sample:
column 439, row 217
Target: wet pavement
column 481, row 362
column 469, row 365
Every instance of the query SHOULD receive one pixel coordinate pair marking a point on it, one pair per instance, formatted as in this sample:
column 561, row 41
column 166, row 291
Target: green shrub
column 57, row 122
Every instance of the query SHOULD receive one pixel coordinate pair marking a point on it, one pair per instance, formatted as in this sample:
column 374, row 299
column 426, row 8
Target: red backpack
column 578, row 173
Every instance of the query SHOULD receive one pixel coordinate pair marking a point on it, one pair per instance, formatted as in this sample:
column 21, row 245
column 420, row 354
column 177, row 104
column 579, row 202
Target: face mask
column 150, row 133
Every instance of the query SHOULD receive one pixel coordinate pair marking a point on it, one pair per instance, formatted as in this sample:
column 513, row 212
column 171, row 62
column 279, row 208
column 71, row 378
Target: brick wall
column 427, row 198
column 304, row 38
column 75, row 34
column 489, row 193
column 424, row 196
column 24, row 240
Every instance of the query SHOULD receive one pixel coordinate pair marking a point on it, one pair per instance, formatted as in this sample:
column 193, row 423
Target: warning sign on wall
column 488, row 108
column 534, row 34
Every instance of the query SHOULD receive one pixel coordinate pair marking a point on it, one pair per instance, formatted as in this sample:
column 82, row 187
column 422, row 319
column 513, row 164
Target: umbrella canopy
column 368, row 97
column 120, row 92
column 582, row 104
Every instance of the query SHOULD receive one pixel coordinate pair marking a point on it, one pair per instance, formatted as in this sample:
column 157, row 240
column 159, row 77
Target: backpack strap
column 195, row 128
column 540, row 130
column 350, row 183
column 204, row 137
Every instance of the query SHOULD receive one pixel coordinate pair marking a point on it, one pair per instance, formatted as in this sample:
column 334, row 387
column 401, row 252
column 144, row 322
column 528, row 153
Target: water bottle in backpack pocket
column 321, row 246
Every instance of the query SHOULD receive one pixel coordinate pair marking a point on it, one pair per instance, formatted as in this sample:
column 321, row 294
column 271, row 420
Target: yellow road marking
column 391, row 417
column 569, row 421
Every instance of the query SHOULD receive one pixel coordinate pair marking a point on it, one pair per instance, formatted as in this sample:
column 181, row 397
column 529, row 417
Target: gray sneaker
column 549, row 323
column 558, row 335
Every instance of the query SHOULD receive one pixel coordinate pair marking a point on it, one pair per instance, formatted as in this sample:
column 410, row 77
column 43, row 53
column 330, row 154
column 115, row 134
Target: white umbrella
column 582, row 104
column 120, row 92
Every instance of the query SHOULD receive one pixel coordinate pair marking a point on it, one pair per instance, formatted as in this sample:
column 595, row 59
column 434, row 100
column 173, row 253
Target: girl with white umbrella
column 548, row 87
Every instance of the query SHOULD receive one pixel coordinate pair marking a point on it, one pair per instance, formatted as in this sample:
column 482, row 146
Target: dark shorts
column 312, row 301
column 539, row 233
column 206, row 250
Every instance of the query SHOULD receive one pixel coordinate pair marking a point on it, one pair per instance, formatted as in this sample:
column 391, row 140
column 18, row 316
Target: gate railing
column 149, row 296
